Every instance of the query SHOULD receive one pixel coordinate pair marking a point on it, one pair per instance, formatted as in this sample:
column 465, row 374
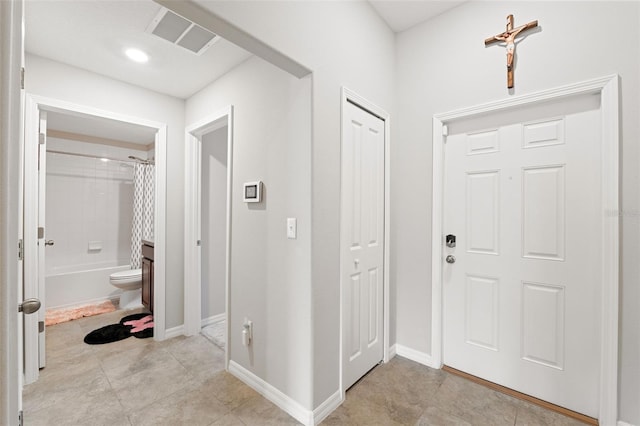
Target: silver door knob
column 49, row 242
column 29, row 306
column 450, row 259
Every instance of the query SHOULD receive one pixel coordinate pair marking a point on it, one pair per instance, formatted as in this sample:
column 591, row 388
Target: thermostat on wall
column 253, row 192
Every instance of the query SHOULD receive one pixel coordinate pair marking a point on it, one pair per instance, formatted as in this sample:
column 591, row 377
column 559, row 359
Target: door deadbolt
column 450, row 240
column 450, row 259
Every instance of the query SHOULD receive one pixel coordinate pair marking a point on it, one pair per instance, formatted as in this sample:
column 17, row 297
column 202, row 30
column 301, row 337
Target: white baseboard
column 213, row 319
column 327, row 407
column 174, row 332
column 414, row 355
column 621, row 423
column 392, row 351
column 286, row 403
column 179, row 330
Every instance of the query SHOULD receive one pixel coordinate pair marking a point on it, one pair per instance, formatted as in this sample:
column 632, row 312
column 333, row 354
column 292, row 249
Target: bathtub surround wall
column 88, row 216
column 143, row 202
column 89, row 205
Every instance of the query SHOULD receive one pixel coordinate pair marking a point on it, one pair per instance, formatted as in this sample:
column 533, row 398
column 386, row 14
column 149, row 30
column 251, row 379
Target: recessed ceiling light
column 137, row 55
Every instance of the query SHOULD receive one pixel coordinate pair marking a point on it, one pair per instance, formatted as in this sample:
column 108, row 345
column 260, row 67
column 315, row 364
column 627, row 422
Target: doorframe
column 35, row 103
column 11, row 39
column 193, row 221
column 350, row 96
column 607, row 88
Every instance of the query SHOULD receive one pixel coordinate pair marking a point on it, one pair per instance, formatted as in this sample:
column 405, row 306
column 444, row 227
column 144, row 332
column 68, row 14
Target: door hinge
column 40, row 326
column 22, row 78
column 445, row 130
column 20, row 249
column 42, row 138
column 20, row 418
column 40, row 232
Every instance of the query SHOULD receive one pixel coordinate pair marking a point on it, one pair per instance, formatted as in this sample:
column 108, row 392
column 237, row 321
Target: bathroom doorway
column 89, row 197
column 82, row 154
column 207, row 226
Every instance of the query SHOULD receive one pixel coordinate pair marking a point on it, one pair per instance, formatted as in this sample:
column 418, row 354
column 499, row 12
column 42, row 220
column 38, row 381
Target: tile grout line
column 124, row 410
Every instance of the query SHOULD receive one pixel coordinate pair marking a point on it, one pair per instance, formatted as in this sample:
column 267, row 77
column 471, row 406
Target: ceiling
column 401, row 15
column 99, row 127
column 93, row 35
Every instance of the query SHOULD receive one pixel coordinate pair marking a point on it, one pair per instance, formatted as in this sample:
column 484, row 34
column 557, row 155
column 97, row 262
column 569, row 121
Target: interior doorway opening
column 208, row 171
column 34, row 286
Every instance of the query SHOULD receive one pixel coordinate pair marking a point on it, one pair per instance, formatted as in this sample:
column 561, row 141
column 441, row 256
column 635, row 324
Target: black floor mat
column 115, row 332
column 107, row 334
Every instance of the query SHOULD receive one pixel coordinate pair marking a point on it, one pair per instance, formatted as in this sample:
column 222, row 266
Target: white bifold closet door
column 362, row 257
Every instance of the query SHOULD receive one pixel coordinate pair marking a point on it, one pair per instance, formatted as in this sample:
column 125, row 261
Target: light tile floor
column 182, row 381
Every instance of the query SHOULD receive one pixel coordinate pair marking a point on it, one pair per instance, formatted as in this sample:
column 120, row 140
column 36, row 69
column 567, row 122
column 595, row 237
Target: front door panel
column 521, row 301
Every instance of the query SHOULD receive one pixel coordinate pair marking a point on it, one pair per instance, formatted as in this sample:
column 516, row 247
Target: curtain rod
column 141, row 161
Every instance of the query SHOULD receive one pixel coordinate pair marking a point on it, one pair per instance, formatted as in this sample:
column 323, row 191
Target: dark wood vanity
column 147, row 274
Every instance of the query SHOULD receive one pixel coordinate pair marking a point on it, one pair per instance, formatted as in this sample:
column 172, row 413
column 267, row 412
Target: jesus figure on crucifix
column 509, row 37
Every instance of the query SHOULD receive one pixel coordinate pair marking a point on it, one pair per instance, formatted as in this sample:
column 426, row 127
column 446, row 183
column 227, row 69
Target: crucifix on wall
column 509, row 37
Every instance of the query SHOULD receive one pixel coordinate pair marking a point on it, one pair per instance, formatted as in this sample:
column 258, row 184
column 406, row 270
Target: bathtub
column 84, row 284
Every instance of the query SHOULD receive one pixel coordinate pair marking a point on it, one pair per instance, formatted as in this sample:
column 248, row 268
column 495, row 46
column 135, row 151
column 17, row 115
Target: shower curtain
column 143, row 208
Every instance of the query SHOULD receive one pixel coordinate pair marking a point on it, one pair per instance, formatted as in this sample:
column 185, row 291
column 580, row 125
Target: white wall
column 270, row 278
column 59, row 81
column 214, row 222
column 345, row 44
column 443, row 65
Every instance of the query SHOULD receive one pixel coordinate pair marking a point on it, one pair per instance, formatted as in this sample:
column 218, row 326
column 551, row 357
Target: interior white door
column 521, row 301
column 42, row 241
column 362, row 242
column 33, row 238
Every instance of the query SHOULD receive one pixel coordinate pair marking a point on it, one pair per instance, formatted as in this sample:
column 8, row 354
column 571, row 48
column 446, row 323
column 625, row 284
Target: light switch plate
column 292, row 228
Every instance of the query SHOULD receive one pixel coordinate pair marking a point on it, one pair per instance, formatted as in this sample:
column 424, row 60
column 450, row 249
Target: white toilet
column 130, row 282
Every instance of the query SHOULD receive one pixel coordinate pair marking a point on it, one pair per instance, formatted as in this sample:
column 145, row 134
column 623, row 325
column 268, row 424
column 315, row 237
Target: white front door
column 522, row 300
column 362, row 242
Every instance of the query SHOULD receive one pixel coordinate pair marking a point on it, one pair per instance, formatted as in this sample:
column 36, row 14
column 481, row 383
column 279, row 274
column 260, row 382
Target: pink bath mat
column 57, row 316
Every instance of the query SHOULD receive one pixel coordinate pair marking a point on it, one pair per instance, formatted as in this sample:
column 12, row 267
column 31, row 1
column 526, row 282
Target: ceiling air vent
column 180, row 31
